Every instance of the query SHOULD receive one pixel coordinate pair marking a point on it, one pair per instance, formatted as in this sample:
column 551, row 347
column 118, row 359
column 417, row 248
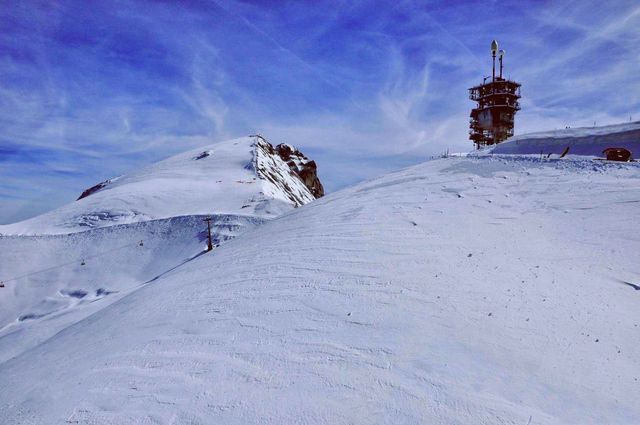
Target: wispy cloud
column 89, row 93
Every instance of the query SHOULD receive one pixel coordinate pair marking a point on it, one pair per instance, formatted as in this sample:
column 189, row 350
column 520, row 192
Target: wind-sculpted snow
column 483, row 290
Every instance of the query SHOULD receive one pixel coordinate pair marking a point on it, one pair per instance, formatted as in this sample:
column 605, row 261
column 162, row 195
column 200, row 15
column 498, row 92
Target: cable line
column 82, row 262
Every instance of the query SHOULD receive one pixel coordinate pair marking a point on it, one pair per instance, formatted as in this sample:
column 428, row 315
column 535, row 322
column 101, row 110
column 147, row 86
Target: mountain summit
column 246, row 176
column 130, row 230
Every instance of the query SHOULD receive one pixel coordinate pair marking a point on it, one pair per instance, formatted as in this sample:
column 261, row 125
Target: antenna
column 494, row 49
column 500, row 56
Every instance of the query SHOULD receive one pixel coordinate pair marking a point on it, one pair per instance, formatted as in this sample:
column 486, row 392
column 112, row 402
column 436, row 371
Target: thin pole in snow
column 210, row 245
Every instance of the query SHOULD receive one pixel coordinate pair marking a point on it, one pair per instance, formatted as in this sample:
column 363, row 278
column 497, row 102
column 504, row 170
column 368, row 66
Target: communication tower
column 496, row 105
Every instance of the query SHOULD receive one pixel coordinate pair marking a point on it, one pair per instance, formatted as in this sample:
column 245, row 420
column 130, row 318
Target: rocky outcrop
column 284, row 180
column 284, row 166
column 94, row 189
column 304, row 168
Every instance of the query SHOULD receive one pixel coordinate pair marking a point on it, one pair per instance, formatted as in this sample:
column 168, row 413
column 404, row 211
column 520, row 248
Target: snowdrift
column 479, row 290
column 589, row 141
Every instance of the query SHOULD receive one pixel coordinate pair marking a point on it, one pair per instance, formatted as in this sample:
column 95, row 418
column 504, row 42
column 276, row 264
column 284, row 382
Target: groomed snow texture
column 486, row 290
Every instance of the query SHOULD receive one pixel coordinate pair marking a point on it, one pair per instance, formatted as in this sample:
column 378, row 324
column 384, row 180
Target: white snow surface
column 586, row 141
column 62, row 266
column 478, row 290
column 220, row 178
column 60, row 279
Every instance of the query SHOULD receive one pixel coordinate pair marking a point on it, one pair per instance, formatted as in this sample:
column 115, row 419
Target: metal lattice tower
column 492, row 119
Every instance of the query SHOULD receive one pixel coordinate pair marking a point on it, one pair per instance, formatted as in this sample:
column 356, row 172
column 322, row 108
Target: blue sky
column 92, row 89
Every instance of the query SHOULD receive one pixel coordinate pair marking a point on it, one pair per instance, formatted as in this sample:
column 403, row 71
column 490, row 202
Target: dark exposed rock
column 202, row 155
column 269, row 166
column 94, row 189
column 304, row 167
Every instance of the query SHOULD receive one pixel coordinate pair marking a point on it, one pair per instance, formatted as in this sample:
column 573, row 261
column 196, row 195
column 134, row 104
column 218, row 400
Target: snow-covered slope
column 589, row 141
column 485, row 290
column 59, row 279
column 232, row 177
column 61, row 266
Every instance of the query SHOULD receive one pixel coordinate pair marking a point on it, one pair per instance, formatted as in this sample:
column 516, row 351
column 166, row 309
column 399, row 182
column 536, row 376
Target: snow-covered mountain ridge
column 243, row 176
column 467, row 290
column 126, row 231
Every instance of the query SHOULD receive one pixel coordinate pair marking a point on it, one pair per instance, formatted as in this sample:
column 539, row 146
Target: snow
column 44, row 276
column 220, row 178
column 588, row 141
column 465, row 290
column 64, row 265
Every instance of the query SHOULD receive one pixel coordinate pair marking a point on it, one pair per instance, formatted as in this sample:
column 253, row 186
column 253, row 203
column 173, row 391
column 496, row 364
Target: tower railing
column 477, row 94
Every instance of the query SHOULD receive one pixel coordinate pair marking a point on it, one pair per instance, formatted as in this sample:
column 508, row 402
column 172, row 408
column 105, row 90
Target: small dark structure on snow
column 209, row 242
column 617, row 154
column 497, row 103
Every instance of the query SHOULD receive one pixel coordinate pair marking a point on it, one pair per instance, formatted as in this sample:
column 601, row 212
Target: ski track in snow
column 459, row 291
